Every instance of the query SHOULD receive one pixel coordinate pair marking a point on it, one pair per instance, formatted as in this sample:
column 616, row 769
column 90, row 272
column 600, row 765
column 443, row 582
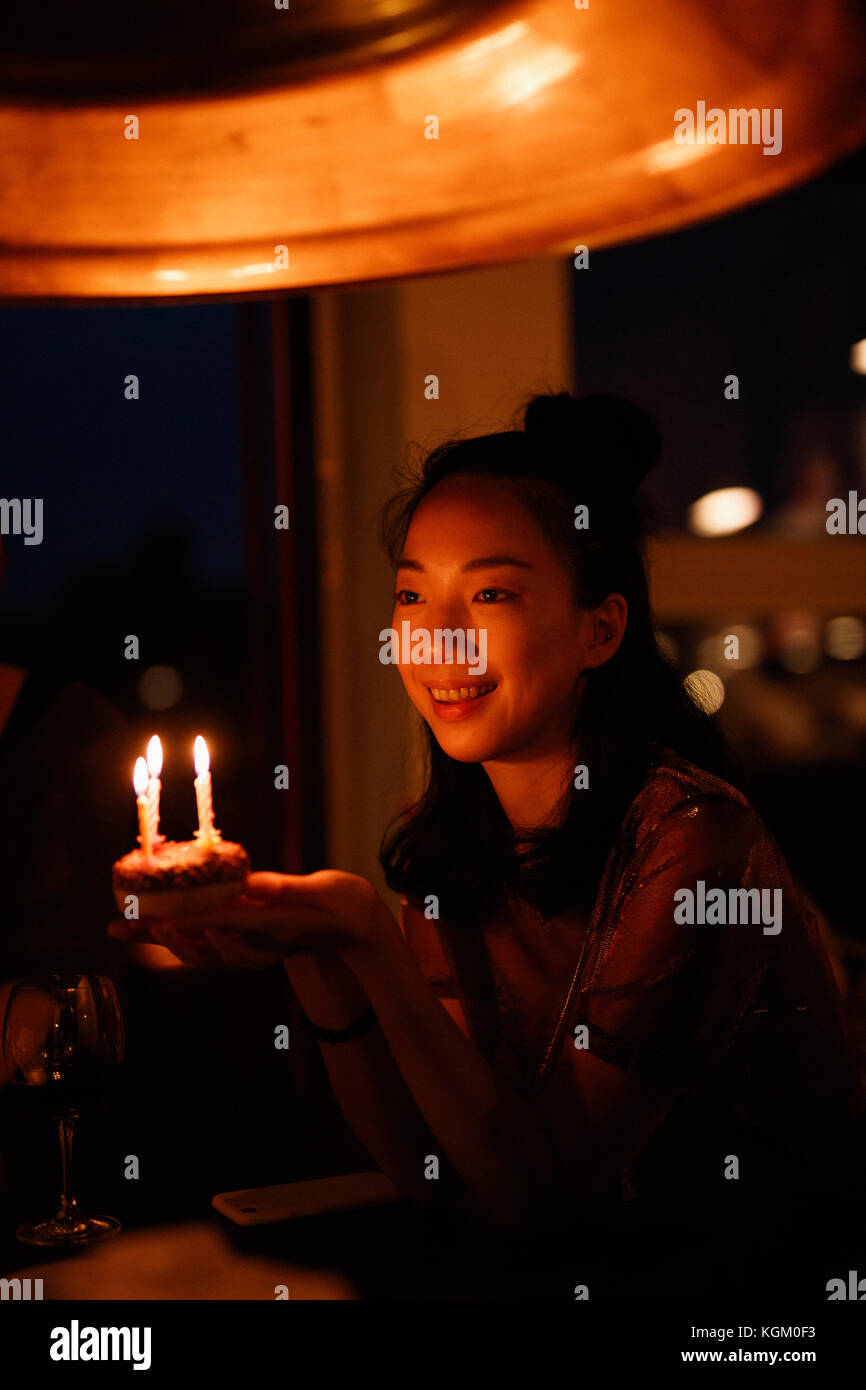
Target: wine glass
column 62, row 1036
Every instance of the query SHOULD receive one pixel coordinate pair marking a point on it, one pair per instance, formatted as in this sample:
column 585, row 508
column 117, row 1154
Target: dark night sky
column 774, row 293
column 108, row 469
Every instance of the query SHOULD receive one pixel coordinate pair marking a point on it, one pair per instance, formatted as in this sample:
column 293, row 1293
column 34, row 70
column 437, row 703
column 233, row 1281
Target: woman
column 593, row 1042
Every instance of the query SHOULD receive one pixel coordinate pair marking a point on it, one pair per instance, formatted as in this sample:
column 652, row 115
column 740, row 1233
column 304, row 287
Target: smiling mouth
column 451, row 696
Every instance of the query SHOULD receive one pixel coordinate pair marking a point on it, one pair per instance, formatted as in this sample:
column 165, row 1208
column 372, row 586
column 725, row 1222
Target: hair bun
column 608, row 438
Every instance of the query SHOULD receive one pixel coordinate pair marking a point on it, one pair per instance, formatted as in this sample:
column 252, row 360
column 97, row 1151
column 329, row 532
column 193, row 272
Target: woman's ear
column 608, row 627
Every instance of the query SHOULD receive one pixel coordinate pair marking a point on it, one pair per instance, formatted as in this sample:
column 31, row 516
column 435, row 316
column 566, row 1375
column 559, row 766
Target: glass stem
column 67, row 1212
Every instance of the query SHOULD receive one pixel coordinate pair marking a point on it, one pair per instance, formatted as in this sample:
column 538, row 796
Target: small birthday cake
column 181, row 876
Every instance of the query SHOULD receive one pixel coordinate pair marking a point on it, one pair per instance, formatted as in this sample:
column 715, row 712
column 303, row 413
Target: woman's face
column 475, row 559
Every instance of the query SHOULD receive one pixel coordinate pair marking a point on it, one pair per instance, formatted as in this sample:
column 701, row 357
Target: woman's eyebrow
column 488, row 562
column 485, row 562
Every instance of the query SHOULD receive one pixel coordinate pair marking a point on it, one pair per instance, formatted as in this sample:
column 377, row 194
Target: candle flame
column 201, row 755
column 139, row 777
column 154, row 756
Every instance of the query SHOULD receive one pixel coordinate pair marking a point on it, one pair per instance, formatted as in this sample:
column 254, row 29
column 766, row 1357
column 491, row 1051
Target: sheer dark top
column 743, row 1028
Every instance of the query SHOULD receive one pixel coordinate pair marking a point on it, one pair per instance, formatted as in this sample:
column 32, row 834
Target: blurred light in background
column 706, row 689
column 845, row 638
column 160, row 687
column 668, row 646
column 711, row 651
column 858, row 357
column 799, row 643
column 851, row 708
column 725, row 511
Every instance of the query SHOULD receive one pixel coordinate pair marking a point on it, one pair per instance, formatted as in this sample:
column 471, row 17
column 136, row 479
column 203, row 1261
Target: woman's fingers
column 269, row 886
column 277, row 928
column 271, row 933
column 276, row 916
column 200, row 954
column 191, row 947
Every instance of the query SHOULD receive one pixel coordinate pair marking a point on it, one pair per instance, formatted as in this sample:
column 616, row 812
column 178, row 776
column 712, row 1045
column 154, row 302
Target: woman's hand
column 277, row 916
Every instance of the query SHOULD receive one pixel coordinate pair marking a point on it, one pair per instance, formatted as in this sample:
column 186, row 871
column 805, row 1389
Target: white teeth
column 465, row 692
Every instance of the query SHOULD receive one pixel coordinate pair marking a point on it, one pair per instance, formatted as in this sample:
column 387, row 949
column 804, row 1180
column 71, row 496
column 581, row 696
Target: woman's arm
column 416, row 1074
column 493, row 1137
column 367, row 1083
column 523, row 1165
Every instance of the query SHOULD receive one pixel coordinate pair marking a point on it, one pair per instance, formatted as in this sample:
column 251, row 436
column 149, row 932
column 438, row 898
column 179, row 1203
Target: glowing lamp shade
column 858, row 357
column 725, row 511
column 328, row 142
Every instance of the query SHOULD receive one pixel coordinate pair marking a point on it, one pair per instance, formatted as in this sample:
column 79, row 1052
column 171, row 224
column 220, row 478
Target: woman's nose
column 445, row 613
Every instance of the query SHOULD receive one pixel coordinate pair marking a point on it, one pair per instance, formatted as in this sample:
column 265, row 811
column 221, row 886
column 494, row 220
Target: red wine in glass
column 63, row 1038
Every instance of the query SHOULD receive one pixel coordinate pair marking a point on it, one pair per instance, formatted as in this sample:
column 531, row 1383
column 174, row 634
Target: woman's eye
column 406, row 596
column 492, row 595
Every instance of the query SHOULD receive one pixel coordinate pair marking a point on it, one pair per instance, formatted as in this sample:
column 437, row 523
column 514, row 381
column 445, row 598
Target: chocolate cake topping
column 181, row 864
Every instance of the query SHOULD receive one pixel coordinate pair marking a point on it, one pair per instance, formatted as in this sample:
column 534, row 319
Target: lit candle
column 139, row 782
column 203, row 793
column 154, row 788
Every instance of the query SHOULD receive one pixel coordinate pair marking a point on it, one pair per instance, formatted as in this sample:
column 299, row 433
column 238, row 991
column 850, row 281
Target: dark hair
column 456, row 841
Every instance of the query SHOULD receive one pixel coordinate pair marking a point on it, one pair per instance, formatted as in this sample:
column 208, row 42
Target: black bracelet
column 340, row 1035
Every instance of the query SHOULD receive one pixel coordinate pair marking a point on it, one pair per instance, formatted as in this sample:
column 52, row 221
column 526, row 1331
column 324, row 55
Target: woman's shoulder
column 678, row 793
column 677, row 778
